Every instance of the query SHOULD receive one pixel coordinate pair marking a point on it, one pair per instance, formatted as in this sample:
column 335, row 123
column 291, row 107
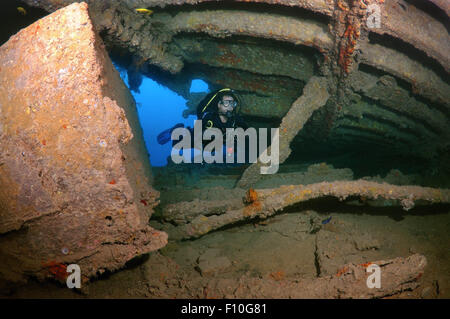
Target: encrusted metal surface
column 73, row 167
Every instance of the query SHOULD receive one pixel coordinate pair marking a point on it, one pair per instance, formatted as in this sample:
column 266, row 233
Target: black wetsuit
column 212, row 119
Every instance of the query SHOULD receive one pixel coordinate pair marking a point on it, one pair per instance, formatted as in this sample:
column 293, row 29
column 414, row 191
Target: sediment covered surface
column 73, row 172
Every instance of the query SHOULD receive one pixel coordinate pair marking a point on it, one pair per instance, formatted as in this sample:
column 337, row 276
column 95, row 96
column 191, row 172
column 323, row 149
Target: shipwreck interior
column 360, row 92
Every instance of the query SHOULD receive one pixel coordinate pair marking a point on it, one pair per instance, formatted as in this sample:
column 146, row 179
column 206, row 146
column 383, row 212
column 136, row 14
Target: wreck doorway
column 159, row 108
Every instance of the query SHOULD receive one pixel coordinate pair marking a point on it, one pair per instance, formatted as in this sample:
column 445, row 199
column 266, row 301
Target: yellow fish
column 22, row 11
column 146, row 11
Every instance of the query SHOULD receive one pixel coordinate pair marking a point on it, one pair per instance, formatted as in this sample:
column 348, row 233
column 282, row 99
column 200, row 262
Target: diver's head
column 224, row 102
column 227, row 105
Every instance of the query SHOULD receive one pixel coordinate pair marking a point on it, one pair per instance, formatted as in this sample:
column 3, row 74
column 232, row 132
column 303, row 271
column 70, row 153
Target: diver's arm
column 207, row 121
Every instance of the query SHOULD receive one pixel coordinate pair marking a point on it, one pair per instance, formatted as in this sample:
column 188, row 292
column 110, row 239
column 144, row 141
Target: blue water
column 160, row 108
column 198, row 86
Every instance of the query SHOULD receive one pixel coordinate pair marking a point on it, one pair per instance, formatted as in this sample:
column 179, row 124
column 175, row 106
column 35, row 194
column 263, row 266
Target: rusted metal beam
column 315, row 95
column 350, row 281
column 412, row 25
column 223, row 23
column 267, row 202
column 424, row 81
column 321, row 6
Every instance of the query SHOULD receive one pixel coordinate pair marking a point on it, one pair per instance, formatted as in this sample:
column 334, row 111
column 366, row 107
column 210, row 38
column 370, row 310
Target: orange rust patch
column 251, row 209
column 229, row 58
column 341, row 6
column 348, row 44
column 366, row 264
column 342, row 271
column 252, row 196
column 36, row 29
column 254, row 204
column 58, row 270
column 277, row 275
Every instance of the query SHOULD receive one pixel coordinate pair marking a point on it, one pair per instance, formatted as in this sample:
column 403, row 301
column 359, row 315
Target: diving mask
column 228, row 103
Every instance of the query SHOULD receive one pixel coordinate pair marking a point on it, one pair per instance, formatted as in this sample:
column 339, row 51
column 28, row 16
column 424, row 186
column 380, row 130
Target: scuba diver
column 218, row 109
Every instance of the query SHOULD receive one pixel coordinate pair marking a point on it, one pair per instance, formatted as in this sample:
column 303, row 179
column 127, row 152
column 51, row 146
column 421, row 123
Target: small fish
column 143, row 10
column 22, row 10
column 326, row 221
